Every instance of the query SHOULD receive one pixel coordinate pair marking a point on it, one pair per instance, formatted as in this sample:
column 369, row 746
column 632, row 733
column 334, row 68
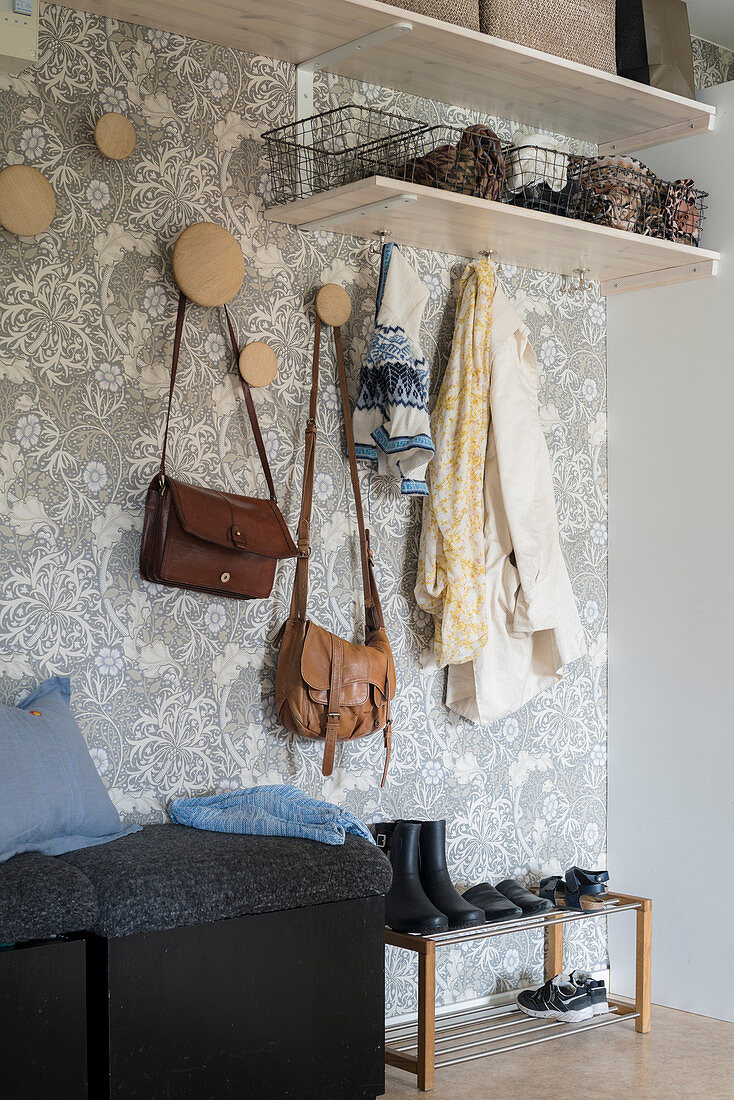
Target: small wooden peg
column 27, row 200
column 114, row 136
column 208, row 264
column 333, row 305
column 258, row 364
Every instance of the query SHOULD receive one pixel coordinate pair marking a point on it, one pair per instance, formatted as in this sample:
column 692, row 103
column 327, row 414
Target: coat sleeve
column 543, row 594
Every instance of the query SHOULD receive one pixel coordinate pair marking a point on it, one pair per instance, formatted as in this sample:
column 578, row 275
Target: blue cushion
column 51, row 798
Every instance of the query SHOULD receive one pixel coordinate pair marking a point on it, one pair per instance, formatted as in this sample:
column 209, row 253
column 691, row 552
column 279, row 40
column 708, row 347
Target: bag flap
column 362, row 663
column 251, row 524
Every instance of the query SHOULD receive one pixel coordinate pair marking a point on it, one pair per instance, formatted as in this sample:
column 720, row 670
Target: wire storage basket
column 336, row 147
column 615, row 191
column 676, row 212
column 469, row 161
column 542, row 177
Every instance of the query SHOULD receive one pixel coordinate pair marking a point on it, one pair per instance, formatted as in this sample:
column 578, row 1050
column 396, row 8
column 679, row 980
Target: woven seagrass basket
column 465, row 13
column 579, row 30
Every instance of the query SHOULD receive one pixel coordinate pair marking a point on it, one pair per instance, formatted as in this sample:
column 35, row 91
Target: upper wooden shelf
column 447, row 222
column 436, row 61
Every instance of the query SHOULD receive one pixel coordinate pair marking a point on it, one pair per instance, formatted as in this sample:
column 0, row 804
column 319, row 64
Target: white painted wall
column 671, row 603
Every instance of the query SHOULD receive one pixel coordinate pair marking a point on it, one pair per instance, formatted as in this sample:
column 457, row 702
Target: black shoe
column 558, row 999
column 529, row 903
column 407, row 909
column 495, row 905
column 596, row 989
column 436, row 881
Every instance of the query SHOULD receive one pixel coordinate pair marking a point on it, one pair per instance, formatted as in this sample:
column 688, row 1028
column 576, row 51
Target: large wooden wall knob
column 208, row 264
column 114, row 136
column 333, row 305
column 27, row 200
column 258, row 364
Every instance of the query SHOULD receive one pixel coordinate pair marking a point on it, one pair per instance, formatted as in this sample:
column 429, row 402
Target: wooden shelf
column 447, row 222
column 437, row 61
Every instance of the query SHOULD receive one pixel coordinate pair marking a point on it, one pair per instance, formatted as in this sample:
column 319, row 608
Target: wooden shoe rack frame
column 394, row 48
column 466, row 1034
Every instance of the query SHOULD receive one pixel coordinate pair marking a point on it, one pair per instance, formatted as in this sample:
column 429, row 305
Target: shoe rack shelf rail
column 467, row 1034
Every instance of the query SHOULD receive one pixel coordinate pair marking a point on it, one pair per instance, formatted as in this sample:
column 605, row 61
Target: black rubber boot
column 436, row 881
column 407, row 909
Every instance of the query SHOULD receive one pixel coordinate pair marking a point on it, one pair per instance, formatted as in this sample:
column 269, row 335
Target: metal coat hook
column 375, row 249
column 582, row 283
column 491, row 255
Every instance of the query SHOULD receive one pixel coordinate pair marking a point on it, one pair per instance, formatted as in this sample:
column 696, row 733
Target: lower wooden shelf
column 427, row 1044
column 425, row 217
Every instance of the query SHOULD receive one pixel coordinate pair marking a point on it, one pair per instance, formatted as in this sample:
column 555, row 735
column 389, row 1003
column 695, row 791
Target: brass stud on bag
column 224, row 578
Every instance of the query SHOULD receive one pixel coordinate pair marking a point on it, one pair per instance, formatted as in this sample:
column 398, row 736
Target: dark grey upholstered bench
column 43, row 979
column 190, row 964
column 42, row 897
column 170, row 876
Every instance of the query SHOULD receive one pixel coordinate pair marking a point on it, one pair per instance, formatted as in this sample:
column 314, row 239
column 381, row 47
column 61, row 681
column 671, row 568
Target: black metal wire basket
column 337, row 147
column 676, row 212
column 623, row 193
column 542, row 178
column 467, row 160
column 353, row 142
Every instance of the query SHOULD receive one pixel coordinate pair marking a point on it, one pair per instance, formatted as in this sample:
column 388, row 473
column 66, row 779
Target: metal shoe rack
column 466, row 1034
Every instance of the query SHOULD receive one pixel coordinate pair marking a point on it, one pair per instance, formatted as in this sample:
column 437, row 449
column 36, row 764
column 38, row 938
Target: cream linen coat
column 508, row 633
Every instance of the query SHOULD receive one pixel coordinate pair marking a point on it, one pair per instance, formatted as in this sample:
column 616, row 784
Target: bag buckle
column 381, row 840
column 237, row 537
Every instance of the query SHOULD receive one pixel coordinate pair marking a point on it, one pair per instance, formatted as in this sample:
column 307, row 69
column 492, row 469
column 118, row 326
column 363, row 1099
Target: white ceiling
column 713, row 20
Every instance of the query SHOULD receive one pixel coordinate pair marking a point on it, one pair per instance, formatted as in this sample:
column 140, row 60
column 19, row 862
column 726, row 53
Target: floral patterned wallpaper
column 712, row 64
column 174, row 690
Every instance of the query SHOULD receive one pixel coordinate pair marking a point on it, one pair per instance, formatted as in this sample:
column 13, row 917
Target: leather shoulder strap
column 250, row 406
column 373, row 610
column 249, row 403
column 299, row 598
column 174, row 368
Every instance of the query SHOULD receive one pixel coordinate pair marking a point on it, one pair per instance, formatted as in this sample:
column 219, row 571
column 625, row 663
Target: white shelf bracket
column 306, row 69
column 370, row 209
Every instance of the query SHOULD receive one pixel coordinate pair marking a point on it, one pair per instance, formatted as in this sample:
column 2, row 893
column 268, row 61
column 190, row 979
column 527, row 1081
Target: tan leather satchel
column 210, row 541
column 326, row 687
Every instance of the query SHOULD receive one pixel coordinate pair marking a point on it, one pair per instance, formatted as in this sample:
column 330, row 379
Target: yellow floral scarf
column 451, row 572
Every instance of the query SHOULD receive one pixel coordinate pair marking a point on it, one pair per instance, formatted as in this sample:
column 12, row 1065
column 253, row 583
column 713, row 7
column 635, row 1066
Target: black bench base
column 267, row 1007
column 43, row 1021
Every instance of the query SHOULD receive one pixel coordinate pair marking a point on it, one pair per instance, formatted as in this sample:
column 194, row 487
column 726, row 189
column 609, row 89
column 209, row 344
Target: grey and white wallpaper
column 712, row 64
column 174, row 690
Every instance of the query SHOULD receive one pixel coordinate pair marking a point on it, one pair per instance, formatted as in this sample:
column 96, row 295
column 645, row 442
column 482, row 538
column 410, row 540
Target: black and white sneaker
column 596, row 989
column 558, row 999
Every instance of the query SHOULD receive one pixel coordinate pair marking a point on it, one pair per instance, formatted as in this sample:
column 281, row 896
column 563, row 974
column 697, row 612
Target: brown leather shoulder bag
column 206, row 540
column 325, row 687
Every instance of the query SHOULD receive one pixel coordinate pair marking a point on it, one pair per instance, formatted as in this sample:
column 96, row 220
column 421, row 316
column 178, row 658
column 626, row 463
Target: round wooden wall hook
column 333, row 305
column 27, row 200
column 208, row 264
column 258, row 363
column 114, row 136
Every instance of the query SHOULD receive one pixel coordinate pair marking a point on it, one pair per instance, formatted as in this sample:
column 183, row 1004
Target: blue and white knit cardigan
column 392, row 426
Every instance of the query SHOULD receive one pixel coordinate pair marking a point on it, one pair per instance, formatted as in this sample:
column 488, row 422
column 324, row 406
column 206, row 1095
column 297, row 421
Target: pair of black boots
column 422, row 897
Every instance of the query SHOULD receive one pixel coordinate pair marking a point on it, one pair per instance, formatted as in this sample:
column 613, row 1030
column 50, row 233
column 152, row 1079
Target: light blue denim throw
column 269, row 811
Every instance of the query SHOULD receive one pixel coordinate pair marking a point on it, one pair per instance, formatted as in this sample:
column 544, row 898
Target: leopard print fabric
column 474, row 166
column 615, row 192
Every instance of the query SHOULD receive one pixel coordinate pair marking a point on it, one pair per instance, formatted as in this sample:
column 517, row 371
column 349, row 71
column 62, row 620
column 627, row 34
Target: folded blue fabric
column 269, row 811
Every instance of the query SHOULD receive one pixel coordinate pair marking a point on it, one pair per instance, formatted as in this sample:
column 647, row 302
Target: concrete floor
column 682, row 1056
